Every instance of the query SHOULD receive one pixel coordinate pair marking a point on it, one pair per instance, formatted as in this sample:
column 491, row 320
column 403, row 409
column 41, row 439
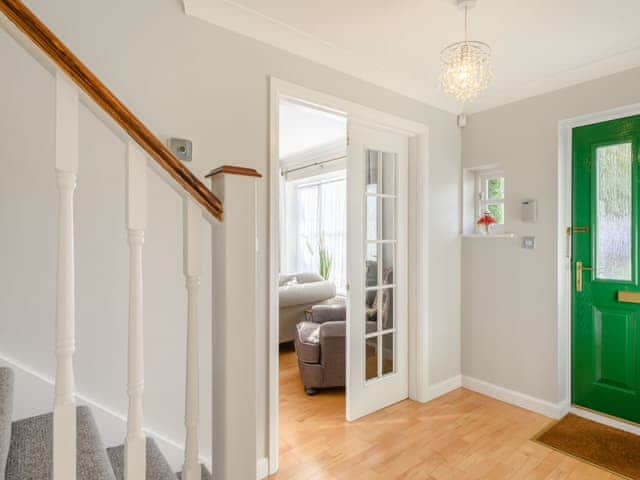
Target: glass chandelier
column 466, row 66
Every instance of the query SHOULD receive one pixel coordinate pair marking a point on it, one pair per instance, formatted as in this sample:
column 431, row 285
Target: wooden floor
column 462, row 435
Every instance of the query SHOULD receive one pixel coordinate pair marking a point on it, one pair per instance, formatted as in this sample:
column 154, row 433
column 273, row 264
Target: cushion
column 308, row 342
column 305, row 293
column 329, row 313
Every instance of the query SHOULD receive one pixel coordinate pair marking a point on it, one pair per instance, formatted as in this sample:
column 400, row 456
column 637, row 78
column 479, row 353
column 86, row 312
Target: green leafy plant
column 326, row 260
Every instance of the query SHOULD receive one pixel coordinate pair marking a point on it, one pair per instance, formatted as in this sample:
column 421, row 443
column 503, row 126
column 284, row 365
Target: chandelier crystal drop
column 466, row 66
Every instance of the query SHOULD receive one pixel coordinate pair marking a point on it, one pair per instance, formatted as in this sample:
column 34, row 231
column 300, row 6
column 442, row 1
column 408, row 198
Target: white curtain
column 320, row 221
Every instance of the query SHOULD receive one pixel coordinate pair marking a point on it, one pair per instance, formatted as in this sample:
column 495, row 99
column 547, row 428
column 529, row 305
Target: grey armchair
column 320, row 348
column 320, row 342
column 297, row 292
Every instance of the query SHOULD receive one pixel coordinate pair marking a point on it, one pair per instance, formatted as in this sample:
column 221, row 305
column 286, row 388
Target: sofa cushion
column 335, row 312
column 308, row 342
column 304, row 277
column 305, row 293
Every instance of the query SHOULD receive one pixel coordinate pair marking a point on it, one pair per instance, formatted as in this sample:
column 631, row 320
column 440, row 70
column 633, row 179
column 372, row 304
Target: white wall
column 509, row 335
column 185, row 78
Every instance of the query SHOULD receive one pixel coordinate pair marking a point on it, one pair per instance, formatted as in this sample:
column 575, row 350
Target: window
column 316, row 227
column 490, row 195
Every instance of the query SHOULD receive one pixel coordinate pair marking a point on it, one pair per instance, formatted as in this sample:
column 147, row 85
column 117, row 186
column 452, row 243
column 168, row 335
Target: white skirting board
column 553, row 410
column 34, row 395
column 442, row 388
column 263, row 468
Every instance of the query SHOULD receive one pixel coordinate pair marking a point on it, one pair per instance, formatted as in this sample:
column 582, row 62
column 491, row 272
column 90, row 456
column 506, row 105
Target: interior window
column 490, row 195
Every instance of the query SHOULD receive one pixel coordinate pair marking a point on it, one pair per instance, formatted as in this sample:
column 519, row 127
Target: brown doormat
column 607, row 447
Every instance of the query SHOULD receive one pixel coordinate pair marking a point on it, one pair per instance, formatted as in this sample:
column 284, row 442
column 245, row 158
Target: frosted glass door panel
column 613, row 212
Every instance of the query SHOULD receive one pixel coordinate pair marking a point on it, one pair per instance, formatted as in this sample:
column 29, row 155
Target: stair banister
column 234, row 270
column 66, row 158
column 135, row 444
column 192, row 219
column 30, row 32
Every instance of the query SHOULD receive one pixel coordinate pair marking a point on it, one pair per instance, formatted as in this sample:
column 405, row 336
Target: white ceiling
column 303, row 129
column 538, row 45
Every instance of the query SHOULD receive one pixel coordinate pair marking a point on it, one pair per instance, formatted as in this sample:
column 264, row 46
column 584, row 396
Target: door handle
column 579, row 269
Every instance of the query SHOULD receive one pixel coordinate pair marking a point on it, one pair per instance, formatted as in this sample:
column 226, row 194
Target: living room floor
column 460, row 436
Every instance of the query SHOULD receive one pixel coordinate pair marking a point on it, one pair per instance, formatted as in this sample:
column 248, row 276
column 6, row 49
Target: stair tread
column 157, row 466
column 204, row 476
column 6, row 415
column 31, row 451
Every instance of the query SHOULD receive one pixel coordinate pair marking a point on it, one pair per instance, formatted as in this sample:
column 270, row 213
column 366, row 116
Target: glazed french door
column 377, row 359
column 606, row 286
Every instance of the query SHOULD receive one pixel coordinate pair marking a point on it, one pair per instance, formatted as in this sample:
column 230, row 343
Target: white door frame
column 563, row 258
column 418, row 237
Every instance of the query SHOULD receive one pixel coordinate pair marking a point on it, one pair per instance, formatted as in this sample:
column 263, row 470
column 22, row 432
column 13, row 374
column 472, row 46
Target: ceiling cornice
column 245, row 21
column 235, row 17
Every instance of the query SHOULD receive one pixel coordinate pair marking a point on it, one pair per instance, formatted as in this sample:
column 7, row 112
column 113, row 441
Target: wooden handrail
column 29, row 24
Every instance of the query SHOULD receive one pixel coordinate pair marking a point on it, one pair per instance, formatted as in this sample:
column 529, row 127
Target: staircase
column 66, row 444
column 26, row 446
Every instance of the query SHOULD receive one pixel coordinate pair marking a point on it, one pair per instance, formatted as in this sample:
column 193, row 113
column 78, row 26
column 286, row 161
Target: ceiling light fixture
column 466, row 66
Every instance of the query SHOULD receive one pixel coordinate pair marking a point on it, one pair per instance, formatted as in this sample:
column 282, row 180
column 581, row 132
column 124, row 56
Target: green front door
column 606, row 287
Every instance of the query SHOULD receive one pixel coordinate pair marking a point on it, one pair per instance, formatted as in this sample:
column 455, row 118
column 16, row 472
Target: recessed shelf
column 490, row 235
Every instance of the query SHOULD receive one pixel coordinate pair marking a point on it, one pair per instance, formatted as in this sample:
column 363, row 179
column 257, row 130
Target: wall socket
column 529, row 243
column 181, row 148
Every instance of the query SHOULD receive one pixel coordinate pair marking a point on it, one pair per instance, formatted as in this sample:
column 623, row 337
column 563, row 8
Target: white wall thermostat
column 529, row 210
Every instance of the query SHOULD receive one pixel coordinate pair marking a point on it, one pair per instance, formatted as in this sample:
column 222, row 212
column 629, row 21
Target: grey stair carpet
column 6, row 414
column 157, row 466
column 204, row 476
column 30, row 455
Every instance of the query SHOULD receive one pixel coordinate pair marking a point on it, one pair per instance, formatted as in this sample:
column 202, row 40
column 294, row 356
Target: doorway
column 416, row 236
column 606, row 287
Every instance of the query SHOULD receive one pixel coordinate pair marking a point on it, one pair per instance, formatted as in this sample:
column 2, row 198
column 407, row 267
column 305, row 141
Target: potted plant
column 485, row 222
column 326, row 260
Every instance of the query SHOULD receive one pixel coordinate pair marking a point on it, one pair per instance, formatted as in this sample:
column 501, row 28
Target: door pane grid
column 381, row 287
column 377, row 334
column 380, row 201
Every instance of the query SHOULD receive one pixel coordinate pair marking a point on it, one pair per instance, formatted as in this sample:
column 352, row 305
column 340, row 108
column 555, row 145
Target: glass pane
column 371, row 358
column 613, row 211
column 372, row 218
column 386, row 308
column 371, row 311
column 387, row 253
column 497, row 211
column 372, row 165
column 388, row 219
column 388, row 165
column 371, row 265
column 388, row 347
column 495, row 188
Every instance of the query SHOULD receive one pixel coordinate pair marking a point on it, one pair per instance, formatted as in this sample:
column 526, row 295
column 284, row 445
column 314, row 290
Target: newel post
column 234, row 325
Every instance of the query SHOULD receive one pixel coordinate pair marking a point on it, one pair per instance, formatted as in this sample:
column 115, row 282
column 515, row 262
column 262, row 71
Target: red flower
column 486, row 219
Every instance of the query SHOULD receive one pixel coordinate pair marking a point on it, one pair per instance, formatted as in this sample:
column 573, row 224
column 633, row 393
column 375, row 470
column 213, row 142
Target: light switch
column 529, row 243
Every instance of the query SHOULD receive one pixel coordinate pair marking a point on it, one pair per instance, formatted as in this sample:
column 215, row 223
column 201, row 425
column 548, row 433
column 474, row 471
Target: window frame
column 482, row 196
column 316, row 181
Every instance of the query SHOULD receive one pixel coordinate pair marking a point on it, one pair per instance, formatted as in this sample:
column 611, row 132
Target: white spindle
column 64, row 410
column 135, row 444
column 192, row 232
